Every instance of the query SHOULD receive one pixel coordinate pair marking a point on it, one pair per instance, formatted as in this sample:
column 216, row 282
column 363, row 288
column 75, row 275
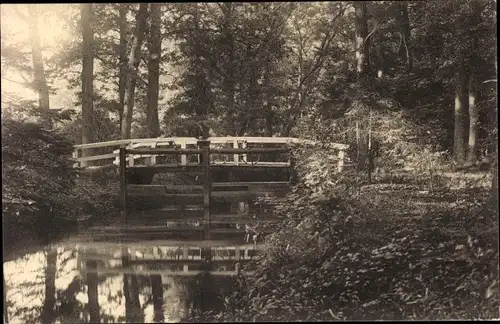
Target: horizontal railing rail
column 152, row 147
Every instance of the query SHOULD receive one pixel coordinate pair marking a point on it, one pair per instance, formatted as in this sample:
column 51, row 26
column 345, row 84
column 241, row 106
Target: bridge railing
column 85, row 157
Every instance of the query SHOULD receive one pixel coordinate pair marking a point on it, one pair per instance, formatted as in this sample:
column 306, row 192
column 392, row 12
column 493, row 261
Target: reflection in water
column 92, row 291
column 50, row 286
column 157, row 291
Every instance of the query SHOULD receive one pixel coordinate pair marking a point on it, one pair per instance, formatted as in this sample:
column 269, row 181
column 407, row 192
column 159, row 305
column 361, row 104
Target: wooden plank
column 249, row 150
column 163, row 189
column 250, row 165
column 192, row 220
column 190, row 262
column 195, row 244
column 252, row 186
column 163, row 151
column 166, row 187
column 198, row 197
column 256, row 184
column 157, row 272
column 164, row 230
column 188, row 168
column 103, row 144
column 255, row 140
column 177, row 214
column 97, row 157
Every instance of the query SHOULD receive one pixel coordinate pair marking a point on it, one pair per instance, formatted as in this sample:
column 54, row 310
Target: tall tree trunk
column 48, row 311
column 36, row 52
column 87, row 73
column 494, row 180
column 152, row 123
column 403, row 23
column 92, row 292
column 40, row 82
column 122, row 23
column 461, row 111
column 472, row 152
column 361, row 42
column 132, row 67
column 229, row 79
column 157, row 290
column 362, row 68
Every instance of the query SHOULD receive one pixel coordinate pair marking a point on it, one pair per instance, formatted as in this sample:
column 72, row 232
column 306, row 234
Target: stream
column 54, row 285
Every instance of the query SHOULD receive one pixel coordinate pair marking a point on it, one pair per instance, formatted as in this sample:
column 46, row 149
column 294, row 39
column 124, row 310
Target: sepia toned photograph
column 196, row 162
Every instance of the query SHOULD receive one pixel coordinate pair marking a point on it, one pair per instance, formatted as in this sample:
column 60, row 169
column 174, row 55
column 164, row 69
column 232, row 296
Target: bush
column 41, row 191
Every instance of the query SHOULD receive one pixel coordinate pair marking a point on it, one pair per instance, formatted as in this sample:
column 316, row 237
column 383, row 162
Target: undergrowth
column 347, row 250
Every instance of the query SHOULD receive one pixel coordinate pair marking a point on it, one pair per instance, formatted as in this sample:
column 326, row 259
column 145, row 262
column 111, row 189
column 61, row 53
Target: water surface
column 62, row 284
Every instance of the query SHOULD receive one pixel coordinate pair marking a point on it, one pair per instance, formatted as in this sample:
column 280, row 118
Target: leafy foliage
column 41, row 190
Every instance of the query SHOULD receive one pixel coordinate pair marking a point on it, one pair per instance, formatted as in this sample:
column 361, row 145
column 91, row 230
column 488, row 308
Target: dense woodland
column 409, row 85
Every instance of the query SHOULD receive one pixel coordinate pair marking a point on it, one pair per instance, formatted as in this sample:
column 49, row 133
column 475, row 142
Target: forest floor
column 446, row 236
column 412, row 252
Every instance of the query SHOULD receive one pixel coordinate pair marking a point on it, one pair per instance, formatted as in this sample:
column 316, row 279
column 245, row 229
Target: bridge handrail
column 183, row 142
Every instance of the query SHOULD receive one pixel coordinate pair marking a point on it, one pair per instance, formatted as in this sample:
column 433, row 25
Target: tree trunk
column 229, row 80
column 122, row 23
column 403, row 23
column 48, row 311
column 40, row 82
column 132, row 67
column 362, row 68
column 473, row 122
column 474, row 62
column 92, row 292
column 87, row 73
column 152, row 123
column 157, row 290
column 361, row 42
column 461, row 121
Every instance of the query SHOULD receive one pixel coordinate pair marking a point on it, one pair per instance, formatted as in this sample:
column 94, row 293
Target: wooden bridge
column 190, row 189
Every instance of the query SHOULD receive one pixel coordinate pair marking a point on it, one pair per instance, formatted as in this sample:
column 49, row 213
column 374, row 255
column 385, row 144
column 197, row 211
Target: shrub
column 41, row 191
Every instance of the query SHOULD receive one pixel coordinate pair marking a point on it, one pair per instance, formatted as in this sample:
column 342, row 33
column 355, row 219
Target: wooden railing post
column 205, row 159
column 184, row 156
column 341, row 160
column 123, row 181
column 75, row 157
column 236, row 157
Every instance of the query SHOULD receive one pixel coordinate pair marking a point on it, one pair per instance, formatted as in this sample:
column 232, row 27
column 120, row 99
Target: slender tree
column 122, row 25
column 362, row 68
column 474, row 63
column 132, row 66
column 40, row 82
column 152, row 123
column 87, row 73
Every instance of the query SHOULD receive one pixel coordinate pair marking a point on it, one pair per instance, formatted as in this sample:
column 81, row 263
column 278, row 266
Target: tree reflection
column 48, row 312
column 157, row 291
column 133, row 311
column 92, row 283
column 5, row 307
